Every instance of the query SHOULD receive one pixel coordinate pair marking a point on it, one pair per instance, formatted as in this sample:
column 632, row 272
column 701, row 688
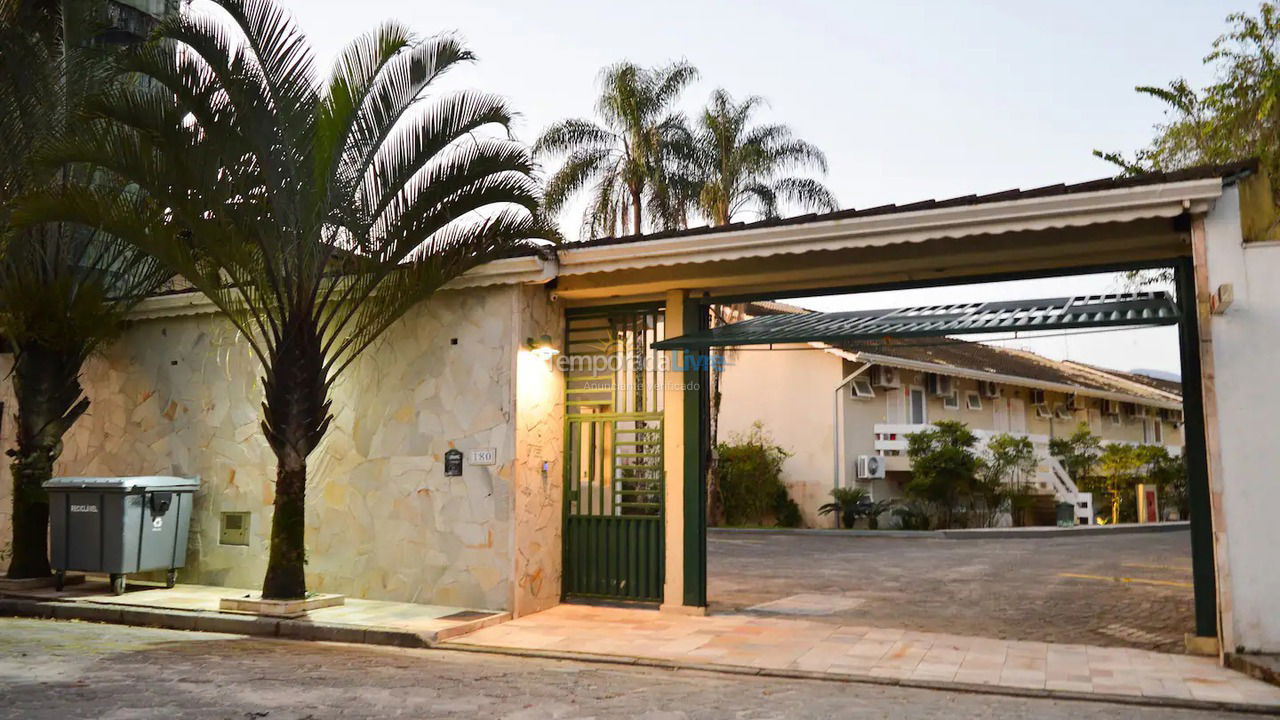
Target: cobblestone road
column 1048, row 589
column 51, row 670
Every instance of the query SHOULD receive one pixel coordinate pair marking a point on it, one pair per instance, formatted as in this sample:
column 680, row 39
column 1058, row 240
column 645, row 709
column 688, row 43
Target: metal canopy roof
column 1094, row 311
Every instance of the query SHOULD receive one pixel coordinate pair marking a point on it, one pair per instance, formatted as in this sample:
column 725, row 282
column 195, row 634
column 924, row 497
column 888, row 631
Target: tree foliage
column 944, row 468
column 312, row 212
column 728, row 165
column 1077, row 452
column 1003, row 475
column 623, row 160
column 1236, row 116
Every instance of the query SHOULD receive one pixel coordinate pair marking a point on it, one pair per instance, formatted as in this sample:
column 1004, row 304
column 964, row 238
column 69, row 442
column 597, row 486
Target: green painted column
column 1196, row 453
column 695, row 380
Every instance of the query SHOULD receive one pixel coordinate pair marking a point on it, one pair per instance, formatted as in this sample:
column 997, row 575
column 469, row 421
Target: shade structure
column 1062, row 313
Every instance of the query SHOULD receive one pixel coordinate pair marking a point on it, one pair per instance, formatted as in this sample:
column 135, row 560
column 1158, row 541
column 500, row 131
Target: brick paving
column 51, row 670
column 860, row 651
column 1048, row 589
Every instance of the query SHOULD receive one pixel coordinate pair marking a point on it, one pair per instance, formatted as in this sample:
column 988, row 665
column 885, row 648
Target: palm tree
column 65, row 289
column 624, row 158
column 739, row 167
column 312, row 215
column 727, row 166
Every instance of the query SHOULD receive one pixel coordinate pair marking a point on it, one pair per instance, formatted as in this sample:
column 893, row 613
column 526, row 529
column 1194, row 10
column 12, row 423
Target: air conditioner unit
column 941, row 385
column 870, row 467
column 1075, row 402
column 989, row 389
column 1038, row 398
column 1110, row 407
column 886, row 377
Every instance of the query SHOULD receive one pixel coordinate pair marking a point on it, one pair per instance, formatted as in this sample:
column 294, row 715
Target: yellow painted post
column 673, row 399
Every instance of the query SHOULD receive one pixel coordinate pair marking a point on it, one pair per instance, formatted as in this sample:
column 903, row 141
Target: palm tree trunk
column 30, row 518
column 295, row 417
column 50, row 399
column 635, row 209
column 286, row 576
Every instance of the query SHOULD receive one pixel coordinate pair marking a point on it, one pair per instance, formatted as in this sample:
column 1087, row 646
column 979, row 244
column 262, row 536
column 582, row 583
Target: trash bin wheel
column 171, row 578
column 59, row 580
column 117, row 583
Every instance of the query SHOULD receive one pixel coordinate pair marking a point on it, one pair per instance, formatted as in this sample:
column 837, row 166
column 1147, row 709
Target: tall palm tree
column 739, row 167
column 65, row 289
column 314, row 215
column 622, row 159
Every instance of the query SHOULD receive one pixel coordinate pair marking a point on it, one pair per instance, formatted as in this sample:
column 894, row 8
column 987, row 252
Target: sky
column 909, row 100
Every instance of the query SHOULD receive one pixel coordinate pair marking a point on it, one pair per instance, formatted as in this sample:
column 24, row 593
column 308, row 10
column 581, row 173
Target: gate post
column 1204, row 577
column 684, row 579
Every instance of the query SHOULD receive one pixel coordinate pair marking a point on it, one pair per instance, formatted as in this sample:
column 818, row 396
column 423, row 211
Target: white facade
column 792, row 389
column 1245, row 474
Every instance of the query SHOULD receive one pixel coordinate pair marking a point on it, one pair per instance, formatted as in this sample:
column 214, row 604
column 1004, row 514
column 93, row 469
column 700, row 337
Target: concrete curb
column 237, row 624
column 941, row 685
column 1261, row 667
column 975, row 534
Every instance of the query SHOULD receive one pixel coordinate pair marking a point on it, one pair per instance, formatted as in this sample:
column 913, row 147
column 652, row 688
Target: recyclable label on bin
column 84, row 508
column 157, row 524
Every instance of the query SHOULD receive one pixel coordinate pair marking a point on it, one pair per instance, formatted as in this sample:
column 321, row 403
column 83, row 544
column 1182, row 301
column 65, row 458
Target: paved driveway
column 57, row 670
column 1049, row 589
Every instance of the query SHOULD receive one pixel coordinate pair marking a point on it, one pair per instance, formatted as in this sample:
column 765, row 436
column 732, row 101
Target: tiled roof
column 1228, row 172
column 961, row 354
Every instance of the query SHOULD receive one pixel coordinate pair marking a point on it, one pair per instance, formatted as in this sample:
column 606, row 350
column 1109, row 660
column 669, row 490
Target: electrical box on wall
column 235, row 529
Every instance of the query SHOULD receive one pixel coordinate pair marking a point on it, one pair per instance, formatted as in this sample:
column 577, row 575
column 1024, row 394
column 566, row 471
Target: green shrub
column 785, row 509
column 750, row 481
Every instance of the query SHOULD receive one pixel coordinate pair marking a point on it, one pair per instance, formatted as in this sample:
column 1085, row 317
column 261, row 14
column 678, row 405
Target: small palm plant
column 314, row 215
column 65, row 288
column 625, row 159
column 735, row 166
column 845, row 504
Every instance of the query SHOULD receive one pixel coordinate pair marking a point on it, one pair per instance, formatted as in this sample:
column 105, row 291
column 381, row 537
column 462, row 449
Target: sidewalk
column 195, row 607
column 798, row 648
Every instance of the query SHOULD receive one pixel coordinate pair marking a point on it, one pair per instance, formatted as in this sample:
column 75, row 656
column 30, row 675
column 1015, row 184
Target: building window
column 861, row 388
column 1061, row 412
column 952, row 401
column 1043, row 412
column 916, row 407
column 973, row 400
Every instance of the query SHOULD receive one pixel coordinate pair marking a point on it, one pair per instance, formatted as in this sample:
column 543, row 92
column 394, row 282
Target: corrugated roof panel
column 1112, row 310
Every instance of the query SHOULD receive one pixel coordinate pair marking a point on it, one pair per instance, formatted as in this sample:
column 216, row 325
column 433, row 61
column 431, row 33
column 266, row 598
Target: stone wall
column 539, row 447
column 181, row 395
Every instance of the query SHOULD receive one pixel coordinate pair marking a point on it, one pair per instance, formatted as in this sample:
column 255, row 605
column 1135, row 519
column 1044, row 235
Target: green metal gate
column 613, row 484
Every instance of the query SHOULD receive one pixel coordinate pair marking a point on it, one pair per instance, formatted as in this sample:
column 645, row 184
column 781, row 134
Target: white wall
column 1244, row 345
column 790, row 391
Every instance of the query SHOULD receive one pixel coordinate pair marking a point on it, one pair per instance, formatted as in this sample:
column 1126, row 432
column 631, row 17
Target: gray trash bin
column 119, row 525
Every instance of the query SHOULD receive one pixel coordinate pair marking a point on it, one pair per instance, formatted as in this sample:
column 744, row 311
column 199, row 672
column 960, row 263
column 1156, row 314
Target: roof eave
column 1041, row 213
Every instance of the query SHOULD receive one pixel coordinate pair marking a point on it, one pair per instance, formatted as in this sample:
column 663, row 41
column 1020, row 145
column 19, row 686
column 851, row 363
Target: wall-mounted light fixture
column 542, row 347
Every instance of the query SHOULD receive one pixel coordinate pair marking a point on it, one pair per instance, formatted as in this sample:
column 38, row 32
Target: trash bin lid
column 124, row 484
